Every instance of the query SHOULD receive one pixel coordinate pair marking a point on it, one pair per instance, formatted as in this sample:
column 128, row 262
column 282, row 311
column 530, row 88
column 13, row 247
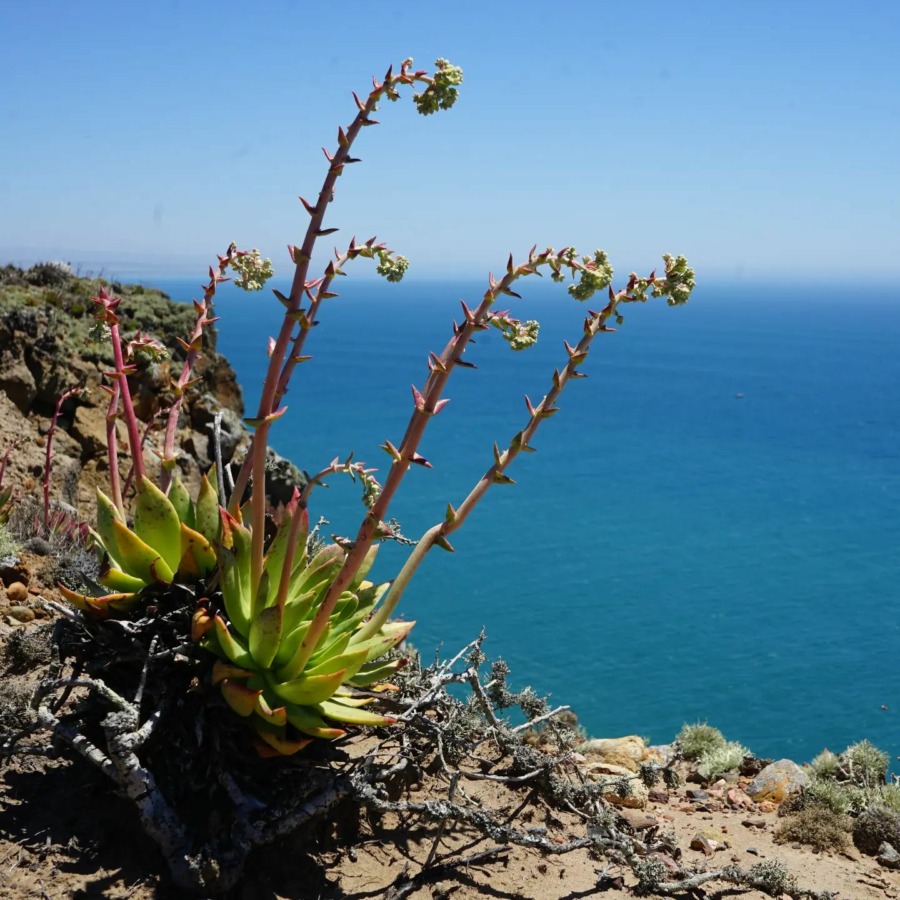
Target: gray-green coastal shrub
column 699, row 739
column 719, row 760
column 865, row 764
column 825, row 765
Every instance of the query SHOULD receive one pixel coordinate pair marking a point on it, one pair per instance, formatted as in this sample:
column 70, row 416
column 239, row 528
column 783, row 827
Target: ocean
column 709, row 531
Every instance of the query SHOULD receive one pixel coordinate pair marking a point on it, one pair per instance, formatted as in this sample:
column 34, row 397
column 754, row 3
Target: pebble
column 21, row 613
column 697, row 794
column 17, row 592
column 754, row 823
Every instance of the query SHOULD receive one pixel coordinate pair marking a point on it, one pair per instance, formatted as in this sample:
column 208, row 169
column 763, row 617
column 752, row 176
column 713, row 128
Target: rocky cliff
column 49, row 343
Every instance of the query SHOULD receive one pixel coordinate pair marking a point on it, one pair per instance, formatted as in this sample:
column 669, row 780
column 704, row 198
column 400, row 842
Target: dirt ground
column 65, row 834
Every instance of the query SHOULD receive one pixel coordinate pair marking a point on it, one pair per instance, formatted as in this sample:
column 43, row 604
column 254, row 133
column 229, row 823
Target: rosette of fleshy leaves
column 171, row 539
column 287, row 693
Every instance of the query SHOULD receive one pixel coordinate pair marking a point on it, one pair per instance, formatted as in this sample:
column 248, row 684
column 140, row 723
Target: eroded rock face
column 45, row 350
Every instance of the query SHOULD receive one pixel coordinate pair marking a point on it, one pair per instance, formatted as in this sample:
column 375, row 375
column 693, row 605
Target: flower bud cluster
column 679, row 281
column 521, row 335
column 596, row 275
column 143, row 348
column 252, row 269
column 442, row 93
column 391, row 268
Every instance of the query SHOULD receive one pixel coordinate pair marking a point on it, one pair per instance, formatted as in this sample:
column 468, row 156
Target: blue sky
column 760, row 139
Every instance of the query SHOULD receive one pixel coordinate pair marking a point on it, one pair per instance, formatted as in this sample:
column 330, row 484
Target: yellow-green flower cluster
column 597, row 275
column 679, row 283
column 253, row 271
column 391, row 268
column 442, row 93
column 522, row 335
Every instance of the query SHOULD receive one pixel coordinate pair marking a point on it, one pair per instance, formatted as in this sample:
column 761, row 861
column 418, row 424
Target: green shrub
column 716, row 762
column 699, row 739
column 825, row 765
column 817, row 826
column 865, row 764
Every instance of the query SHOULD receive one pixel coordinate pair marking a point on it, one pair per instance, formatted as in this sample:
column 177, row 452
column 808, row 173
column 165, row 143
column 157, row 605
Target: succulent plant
column 172, row 538
column 289, row 691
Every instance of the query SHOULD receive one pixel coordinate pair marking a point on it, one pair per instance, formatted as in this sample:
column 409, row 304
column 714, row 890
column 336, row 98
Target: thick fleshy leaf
column 320, row 571
column 281, row 746
column 305, row 691
column 375, row 672
column 198, row 559
column 265, row 636
column 139, row 559
column 222, row 670
column 339, row 713
column 181, row 500
column 156, row 522
column 308, row 721
column 391, row 634
column 234, row 558
column 290, row 644
column 365, row 566
column 272, row 715
column 239, row 697
column 206, row 516
column 201, row 623
column 351, row 661
column 98, row 605
column 232, row 648
column 117, row 580
column 106, row 515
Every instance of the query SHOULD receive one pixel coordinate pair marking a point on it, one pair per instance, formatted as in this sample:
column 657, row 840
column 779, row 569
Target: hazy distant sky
column 757, row 138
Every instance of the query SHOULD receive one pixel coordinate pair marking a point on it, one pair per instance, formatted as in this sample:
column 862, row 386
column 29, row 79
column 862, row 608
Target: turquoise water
column 709, row 530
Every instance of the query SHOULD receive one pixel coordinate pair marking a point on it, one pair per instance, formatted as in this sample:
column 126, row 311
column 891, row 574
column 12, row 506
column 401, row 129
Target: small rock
column 737, row 799
column 708, row 841
column 753, row 851
column 17, row 592
column 754, row 823
column 777, row 780
column 627, row 752
column 21, row 613
column 766, row 806
column 637, row 820
column 888, row 856
column 659, row 796
column 696, row 794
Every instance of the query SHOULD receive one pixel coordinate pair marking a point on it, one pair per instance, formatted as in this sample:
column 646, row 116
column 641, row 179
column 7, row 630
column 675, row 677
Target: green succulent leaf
column 308, row 721
column 231, row 647
column 139, row 559
column 207, row 520
column 339, row 713
column 157, row 524
column 265, row 636
column 198, row 559
column 375, row 672
column 242, row 699
column 106, row 515
column 309, row 690
column 350, row 661
column 181, row 500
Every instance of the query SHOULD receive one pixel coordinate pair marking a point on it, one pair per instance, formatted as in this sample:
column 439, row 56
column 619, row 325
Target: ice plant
column 297, row 630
